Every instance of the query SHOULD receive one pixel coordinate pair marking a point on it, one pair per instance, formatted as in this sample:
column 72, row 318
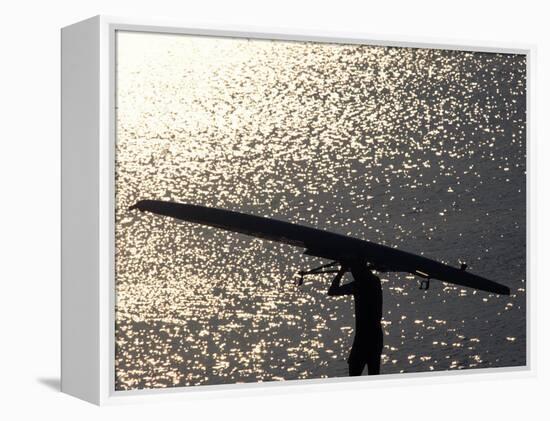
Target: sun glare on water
column 418, row 149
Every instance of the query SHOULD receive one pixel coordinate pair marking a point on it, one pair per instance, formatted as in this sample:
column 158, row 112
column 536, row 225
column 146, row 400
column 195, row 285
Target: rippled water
column 414, row 148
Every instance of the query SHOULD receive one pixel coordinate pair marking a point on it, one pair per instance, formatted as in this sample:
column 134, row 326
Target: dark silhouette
column 366, row 288
column 367, row 294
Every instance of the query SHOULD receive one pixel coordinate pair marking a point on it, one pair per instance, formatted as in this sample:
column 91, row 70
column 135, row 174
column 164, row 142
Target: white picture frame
column 88, row 139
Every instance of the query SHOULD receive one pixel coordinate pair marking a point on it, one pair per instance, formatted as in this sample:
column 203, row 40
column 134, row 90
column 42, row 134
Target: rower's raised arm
column 336, row 289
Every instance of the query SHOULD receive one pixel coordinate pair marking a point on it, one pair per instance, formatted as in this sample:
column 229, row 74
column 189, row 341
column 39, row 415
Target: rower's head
column 360, row 270
column 356, row 264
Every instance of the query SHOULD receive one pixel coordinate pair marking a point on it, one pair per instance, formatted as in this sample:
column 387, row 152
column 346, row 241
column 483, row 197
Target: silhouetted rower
column 367, row 293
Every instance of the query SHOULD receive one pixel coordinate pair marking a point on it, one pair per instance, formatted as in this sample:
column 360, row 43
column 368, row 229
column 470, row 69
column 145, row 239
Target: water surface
column 418, row 149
